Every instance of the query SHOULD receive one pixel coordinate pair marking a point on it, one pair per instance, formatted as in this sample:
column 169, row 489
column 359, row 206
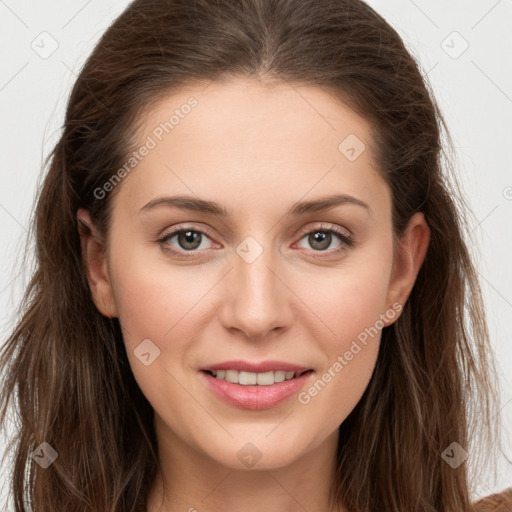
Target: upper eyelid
column 179, row 229
column 326, row 227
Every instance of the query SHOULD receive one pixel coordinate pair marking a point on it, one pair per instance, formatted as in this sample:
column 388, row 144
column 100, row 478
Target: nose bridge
column 257, row 300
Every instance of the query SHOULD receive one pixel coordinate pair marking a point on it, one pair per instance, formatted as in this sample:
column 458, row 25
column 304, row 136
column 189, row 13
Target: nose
column 257, row 300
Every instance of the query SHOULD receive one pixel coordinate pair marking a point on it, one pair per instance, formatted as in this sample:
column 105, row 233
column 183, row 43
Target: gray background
column 473, row 86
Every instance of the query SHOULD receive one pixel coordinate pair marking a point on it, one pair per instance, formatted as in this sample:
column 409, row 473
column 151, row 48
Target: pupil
column 322, row 238
column 187, row 237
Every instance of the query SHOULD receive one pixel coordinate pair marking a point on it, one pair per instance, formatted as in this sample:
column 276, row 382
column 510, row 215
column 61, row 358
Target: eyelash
column 346, row 240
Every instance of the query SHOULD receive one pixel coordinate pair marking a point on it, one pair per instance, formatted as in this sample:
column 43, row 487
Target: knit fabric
column 499, row 502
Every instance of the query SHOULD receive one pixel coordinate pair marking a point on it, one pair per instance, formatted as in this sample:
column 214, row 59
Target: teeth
column 280, row 376
column 232, row 376
column 252, row 379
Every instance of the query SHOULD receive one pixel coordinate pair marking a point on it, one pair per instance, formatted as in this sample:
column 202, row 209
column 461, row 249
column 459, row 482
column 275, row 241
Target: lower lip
column 255, row 397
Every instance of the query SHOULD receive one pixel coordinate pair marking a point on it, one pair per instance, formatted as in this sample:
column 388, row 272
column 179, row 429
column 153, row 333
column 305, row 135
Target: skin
column 256, row 149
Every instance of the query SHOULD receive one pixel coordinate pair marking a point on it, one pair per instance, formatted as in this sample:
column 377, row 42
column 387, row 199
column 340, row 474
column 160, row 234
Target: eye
column 188, row 240
column 322, row 237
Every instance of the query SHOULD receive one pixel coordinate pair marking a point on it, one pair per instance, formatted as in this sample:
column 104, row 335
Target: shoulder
column 499, row 502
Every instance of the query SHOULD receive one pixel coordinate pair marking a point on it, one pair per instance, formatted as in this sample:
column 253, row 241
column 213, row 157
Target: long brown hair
column 66, row 369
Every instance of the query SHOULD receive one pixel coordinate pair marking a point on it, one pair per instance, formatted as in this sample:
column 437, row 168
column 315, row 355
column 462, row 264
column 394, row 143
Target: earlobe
column 410, row 255
column 95, row 262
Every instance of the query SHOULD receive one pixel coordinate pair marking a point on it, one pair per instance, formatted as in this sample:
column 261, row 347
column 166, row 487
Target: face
column 293, row 264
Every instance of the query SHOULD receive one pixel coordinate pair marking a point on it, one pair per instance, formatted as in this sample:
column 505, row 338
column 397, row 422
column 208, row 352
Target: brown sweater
column 499, row 502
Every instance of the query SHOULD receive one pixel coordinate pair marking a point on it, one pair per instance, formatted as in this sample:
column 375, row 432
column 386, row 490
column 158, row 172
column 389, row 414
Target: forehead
column 239, row 114
column 251, row 143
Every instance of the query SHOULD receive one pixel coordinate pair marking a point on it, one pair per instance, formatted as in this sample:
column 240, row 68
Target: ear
column 410, row 254
column 95, row 261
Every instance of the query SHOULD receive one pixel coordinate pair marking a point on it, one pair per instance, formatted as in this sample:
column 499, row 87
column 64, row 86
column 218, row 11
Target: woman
column 253, row 289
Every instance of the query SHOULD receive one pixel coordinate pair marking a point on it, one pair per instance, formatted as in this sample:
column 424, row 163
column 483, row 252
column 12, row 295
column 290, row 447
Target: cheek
column 155, row 300
column 160, row 304
column 349, row 333
column 350, row 303
column 351, row 298
column 352, row 311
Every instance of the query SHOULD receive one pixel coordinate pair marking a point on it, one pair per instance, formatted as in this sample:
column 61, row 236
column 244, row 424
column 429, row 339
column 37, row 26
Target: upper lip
column 261, row 367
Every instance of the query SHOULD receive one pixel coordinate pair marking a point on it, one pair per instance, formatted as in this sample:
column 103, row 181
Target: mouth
column 246, row 378
column 256, row 390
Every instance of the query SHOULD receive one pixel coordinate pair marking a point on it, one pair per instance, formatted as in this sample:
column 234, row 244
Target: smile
column 251, row 379
column 255, row 390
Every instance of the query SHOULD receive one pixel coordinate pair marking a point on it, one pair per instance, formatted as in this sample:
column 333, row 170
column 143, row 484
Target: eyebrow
column 195, row 204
